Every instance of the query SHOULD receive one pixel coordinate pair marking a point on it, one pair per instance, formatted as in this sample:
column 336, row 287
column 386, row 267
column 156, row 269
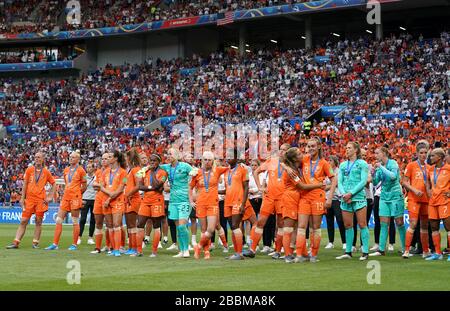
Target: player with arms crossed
column 113, row 183
column 151, row 181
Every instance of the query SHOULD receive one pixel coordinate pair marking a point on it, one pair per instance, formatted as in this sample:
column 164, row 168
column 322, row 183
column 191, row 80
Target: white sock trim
column 237, row 231
column 301, row 231
column 259, row 230
column 288, row 230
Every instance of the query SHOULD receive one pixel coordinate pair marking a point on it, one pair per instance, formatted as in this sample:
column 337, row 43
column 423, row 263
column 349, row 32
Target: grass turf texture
column 32, row 269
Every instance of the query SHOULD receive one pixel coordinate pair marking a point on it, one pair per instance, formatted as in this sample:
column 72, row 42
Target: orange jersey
column 131, row 183
column 99, row 179
column 233, row 184
column 313, row 173
column 417, row 178
column 73, row 179
column 113, row 179
column 440, row 184
column 210, row 197
column 275, row 186
column 291, row 193
column 151, row 197
column 36, row 181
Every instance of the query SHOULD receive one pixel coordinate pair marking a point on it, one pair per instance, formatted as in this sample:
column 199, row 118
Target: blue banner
column 322, row 59
column 294, row 121
column 36, row 66
column 306, row 7
column 331, row 111
column 166, row 121
column 187, row 71
column 11, row 129
column 13, row 216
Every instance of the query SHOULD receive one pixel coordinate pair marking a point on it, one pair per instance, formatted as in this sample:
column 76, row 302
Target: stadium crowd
column 17, row 17
column 400, row 75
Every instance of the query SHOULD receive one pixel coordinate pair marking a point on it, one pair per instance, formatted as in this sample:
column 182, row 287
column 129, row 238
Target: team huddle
column 297, row 187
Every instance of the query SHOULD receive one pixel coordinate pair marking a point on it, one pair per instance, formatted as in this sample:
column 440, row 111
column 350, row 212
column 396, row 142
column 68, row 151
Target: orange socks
column 223, row 238
column 117, row 238
column 75, row 233
column 238, row 240
column 437, row 242
column 111, row 237
column 133, row 239
column 98, row 238
column 448, row 238
column 287, row 240
column 58, row 231
column 156, row 238
column 107, row 239
column 139, row 239
column 256, row 237
column 408, row 239
column 123, row 237
column 316, row 237
column 279, row 240
column 424, row 240
column 205, row 241
column 207, row 246
column 301, row 242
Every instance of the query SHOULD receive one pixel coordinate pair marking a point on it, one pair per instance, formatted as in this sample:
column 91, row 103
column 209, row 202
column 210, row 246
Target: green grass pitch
column 30, row 269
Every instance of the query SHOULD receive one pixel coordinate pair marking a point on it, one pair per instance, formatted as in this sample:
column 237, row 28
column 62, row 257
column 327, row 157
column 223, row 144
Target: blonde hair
column 208, row 155
column 175, row 153
column 76, row 153
column 439, row 151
